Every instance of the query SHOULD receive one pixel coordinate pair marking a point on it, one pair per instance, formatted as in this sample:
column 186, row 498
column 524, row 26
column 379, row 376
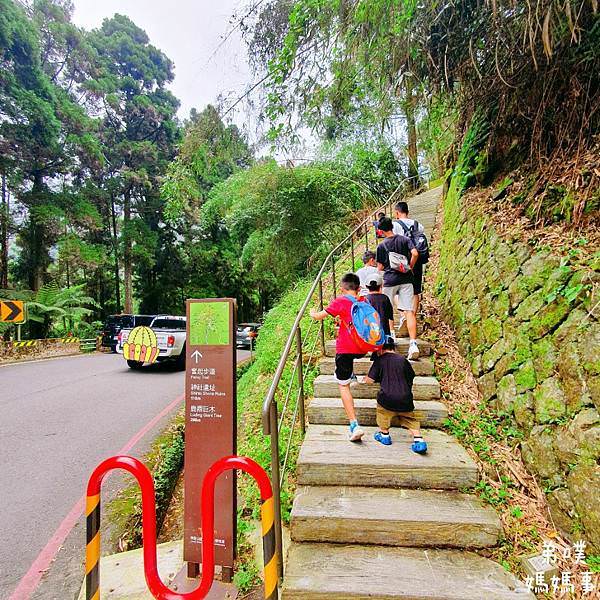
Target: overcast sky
column 188, row 32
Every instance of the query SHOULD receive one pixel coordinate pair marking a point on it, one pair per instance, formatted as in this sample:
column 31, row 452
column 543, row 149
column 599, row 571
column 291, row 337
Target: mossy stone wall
column 525, row 319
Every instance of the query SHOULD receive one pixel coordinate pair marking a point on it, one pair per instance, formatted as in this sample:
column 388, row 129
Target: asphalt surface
column 58, row 419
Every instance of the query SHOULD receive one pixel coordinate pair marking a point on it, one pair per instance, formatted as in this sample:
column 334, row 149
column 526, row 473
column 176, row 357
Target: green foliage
column 165, row 461
column 437, row 132
column 494, row 495
column 593, row 562
column 480, row 430
column 281, row 219
column 167, row 472
column 354, row 68
column 52, row 307
column 209, row 154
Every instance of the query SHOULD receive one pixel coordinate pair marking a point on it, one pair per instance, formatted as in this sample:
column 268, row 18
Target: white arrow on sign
column 196, row 355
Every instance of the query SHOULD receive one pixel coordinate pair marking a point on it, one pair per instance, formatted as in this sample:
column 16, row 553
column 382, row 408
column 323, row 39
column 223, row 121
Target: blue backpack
column 365, row 328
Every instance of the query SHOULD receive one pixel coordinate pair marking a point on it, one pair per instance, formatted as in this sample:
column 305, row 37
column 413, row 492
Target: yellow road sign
column 12, row 311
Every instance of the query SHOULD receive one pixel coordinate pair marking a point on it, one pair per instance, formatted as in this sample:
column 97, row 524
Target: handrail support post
column 333, row 278
column 322, row 324
column 275, row 482
column 300, row 380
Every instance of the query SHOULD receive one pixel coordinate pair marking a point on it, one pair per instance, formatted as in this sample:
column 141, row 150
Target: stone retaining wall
column 525, row 320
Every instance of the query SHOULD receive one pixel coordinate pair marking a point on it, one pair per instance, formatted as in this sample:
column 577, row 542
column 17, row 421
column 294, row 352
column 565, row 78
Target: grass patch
column 165, row 461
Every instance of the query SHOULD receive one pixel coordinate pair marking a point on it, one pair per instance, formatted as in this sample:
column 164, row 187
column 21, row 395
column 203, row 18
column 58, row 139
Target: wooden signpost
column 210, row 434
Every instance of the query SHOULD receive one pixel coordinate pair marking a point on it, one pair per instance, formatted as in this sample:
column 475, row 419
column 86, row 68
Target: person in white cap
column 364, row 272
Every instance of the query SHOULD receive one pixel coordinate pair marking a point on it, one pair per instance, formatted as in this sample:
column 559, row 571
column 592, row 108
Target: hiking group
column 364, row 311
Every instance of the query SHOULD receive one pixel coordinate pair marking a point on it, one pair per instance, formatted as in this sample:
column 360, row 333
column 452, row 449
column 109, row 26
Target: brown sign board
column 210, row 424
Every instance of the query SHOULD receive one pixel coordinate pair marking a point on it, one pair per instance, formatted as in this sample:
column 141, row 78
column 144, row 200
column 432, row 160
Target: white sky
column 188, row 32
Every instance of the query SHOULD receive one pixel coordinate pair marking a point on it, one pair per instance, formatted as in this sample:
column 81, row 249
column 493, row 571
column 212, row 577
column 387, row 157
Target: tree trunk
column 116, row 255
column 36, row 237
column 4, row 216
column 127, row 257
column 411, row 127
column 68, row 270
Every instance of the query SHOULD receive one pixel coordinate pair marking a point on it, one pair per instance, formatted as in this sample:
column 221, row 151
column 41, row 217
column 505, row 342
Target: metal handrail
column 288, row 346
column 270, row 421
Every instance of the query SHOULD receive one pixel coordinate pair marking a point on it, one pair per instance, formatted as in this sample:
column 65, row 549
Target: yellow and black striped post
column 92, row 548
column 25, row 344
column 267, row 517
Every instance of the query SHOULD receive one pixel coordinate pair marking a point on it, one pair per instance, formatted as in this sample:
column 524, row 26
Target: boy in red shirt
column 345, row 347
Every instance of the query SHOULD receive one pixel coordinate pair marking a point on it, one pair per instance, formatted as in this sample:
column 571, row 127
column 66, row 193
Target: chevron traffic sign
column 12, row 311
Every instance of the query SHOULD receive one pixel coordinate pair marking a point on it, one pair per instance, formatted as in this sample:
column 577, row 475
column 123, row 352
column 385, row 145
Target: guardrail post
column 300, row 379
column 333, row 278
column 322, row 323
column 276, row 485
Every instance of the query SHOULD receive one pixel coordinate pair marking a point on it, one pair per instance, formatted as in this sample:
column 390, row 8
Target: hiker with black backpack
column 359, row 332
column 396, row 257
column 403, row 225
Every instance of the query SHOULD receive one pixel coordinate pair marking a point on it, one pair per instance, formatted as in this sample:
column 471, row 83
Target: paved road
column 58, row 419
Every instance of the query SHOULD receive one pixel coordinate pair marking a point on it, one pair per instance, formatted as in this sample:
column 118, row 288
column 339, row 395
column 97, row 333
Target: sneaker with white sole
column 419, row 446
column 356, row 433
column 413, row 350
column 383, row 438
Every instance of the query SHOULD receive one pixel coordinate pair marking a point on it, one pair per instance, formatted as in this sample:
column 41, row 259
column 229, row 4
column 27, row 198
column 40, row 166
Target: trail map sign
column 12, row 311
column 210, row 420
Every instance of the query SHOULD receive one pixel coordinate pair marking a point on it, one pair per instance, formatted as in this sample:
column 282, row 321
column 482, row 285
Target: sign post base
column 183, row 584
column 194, row 571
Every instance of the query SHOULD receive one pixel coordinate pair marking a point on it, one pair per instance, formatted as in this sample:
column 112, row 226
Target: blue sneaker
column 353, row 380
column 383, row 438
column 419, row 446
column 356, row 432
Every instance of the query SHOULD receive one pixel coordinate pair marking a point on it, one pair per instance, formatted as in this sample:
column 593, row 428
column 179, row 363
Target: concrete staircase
column 376, row 522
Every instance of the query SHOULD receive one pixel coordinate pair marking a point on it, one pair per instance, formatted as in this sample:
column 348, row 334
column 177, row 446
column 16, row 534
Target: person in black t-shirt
column 396, row 256
column 395, row 398
column 380, row 302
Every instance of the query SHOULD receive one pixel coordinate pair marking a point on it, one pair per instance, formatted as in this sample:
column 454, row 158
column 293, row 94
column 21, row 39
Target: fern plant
column 52, row 305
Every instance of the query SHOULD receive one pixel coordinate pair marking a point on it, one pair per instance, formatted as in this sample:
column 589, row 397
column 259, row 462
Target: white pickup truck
column 170, row 334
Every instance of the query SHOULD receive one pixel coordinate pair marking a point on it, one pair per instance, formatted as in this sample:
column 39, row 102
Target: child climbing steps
column 395, row 397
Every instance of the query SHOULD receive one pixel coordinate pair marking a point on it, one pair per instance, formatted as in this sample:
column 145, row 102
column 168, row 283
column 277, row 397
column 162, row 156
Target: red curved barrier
column 144, row 478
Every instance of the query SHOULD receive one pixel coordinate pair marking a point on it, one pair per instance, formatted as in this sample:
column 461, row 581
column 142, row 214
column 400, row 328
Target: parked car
column 170, row 335
column 115, row 323
column 246, row 335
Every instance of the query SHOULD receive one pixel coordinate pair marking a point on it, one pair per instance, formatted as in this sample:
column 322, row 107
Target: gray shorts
column 405, row 294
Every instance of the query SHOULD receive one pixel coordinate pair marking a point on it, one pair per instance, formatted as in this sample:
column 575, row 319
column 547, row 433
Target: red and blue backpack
column 365, row 327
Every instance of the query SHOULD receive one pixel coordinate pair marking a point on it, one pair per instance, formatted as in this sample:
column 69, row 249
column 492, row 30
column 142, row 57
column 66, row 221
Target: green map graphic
column 209, row 324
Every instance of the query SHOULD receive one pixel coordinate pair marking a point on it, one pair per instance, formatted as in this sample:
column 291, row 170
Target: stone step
column 415, row 518
column 328, row 458
column 342, row 572
column 401, row 346
column 329, row 411
column 422, row 366
column 424, row 388
column 402, row 331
